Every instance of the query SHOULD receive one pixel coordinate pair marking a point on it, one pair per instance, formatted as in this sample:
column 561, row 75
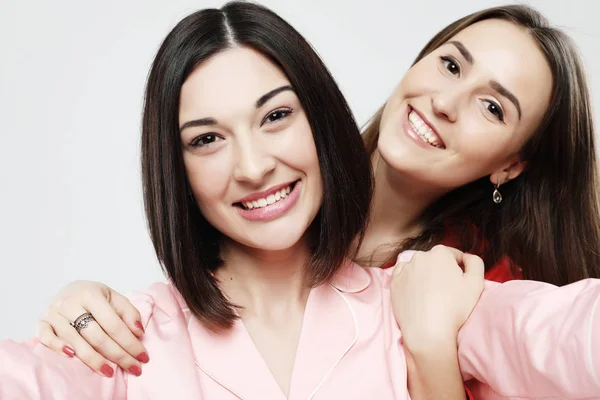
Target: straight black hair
column 186, row 244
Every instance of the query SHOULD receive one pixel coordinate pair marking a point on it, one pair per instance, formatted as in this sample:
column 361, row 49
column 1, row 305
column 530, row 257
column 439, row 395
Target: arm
column 114, row 336
column 32, row 371
column 432, row 297
column 433, row 373
column 534, row 339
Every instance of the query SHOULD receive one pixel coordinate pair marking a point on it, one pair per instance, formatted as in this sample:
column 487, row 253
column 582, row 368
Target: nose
column 254, row 162
column 445, row 104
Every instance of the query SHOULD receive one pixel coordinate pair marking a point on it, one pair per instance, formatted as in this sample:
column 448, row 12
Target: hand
column 432, row 296
column 114, row 335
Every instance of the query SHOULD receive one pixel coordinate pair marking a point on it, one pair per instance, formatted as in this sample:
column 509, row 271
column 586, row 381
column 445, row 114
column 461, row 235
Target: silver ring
column 82, row 321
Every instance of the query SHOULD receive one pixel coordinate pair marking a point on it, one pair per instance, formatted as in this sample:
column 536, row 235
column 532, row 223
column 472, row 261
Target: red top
column 499, row 272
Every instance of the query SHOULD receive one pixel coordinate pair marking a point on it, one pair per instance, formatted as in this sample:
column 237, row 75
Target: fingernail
column 406, row 256
column 135, row 370
column 107, row 370
column 138, row 325
column 68, row 351
column 143, row 357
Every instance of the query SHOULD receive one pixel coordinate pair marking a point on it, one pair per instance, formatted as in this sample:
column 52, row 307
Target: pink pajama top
column 525, row 340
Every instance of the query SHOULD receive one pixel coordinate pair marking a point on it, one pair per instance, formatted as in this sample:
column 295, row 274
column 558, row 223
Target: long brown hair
column 185, row 243
column 549, row 220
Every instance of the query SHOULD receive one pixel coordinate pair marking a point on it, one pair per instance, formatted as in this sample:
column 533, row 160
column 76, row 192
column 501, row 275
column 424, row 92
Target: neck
column 264, row 282
column 396, row 209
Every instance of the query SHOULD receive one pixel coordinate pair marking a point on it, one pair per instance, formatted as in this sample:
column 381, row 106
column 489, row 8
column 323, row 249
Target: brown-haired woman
column 486, row 144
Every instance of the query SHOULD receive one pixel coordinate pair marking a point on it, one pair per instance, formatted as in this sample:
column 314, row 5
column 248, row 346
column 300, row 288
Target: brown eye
column 277, row 115
column 451, row 65
column 495, row 110
column 204, row 140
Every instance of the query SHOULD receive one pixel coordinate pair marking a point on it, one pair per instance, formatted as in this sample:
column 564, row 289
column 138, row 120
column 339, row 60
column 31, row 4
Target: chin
column 273, row 241
column 392, row 151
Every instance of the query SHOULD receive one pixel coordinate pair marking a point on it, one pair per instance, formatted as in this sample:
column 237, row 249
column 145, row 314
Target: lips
column 265, row 194
column 267, row 198
column 424, row 130
column 268, row 207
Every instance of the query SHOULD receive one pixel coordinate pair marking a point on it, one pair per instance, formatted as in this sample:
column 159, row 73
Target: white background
column 72, row 75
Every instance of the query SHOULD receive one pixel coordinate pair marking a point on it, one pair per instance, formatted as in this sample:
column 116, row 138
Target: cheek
column 209, row 178
column 422, row 78
column 301, row 155
column 482, row 151
column 297, row 148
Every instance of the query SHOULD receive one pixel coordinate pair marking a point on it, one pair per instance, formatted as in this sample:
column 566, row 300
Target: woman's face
column 465, row 110
column 248, row 150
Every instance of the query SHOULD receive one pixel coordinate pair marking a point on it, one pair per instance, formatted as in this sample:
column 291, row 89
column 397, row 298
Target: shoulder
column 352, row 278
column 160, row 300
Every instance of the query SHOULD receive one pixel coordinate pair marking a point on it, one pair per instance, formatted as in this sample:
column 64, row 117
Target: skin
column 458, row 101
column 251, row 149
column 482, row 131
column 460, row 104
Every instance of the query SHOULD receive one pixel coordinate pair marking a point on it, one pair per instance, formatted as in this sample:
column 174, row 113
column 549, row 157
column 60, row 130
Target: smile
column 268, row 200
column 424, row 131
column 270, row 204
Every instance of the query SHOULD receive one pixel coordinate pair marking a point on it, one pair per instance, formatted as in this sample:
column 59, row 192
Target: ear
column 508, row 171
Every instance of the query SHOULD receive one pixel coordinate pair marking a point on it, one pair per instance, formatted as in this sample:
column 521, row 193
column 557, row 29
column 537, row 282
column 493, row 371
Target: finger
column 403, row 258
column 83, row 350
column 406, row 255
column 101, row 343
column 455, row 253
column 128, row 313
column 49, row 339
column 112, row 324
column 398, row 268
column 474, row 266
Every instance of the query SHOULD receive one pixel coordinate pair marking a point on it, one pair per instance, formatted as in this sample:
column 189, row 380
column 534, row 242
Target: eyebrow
column 259, row 103
column 508, row 94
column 463, row 50
column 268, row 96
column 494, row 84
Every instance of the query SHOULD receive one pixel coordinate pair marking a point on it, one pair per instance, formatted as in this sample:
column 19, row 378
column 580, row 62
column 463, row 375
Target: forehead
column 510, row 55
column 230, row 80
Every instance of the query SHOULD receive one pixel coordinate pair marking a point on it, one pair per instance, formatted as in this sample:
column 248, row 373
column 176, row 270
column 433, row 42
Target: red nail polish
column 138, row 325
column 135, row 370
column 68, row 351
column 143, row 357
column 107, row 370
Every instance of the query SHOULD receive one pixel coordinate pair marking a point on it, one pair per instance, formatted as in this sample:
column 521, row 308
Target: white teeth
column 270, row 199
column 421, row 128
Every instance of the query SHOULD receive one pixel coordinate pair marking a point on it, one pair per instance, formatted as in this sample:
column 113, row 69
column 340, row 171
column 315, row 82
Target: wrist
column 424, row 344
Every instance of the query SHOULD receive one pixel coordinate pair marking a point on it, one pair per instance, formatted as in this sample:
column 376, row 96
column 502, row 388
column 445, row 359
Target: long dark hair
column 186, row 244
column 549, row 220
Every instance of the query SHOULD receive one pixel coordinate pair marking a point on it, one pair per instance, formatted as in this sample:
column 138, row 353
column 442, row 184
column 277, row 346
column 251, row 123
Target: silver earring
column 496, row 196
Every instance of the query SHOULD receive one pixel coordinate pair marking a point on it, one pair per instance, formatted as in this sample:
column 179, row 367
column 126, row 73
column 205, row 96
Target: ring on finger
column 82, row 321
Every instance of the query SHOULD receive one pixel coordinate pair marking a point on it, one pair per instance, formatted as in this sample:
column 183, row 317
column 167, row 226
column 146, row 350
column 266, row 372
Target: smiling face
column 248, row 150
column 465, row 110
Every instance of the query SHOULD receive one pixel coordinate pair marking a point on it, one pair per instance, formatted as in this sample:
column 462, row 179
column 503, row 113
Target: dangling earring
column 496, row 196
